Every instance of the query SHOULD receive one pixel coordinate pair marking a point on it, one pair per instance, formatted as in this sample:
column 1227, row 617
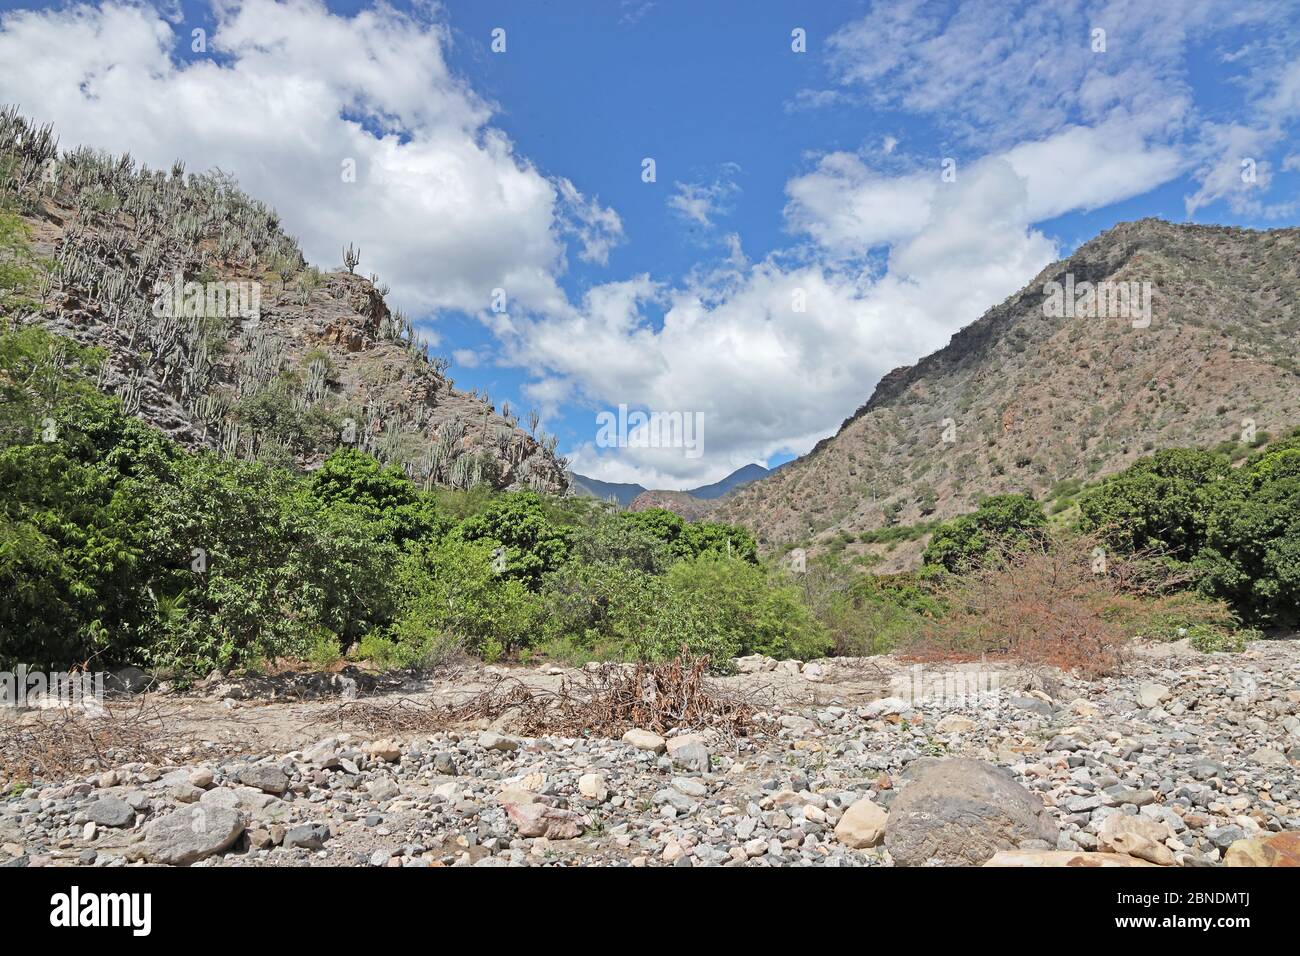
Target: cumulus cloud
column 1100, row 88
column 772, row 355
column 442, row 206
column 702, row 202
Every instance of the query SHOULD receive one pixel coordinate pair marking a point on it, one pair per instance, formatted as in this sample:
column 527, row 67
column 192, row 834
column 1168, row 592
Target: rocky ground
column 1186, row 759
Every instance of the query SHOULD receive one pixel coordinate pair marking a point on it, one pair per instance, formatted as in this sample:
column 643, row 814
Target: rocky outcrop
column 217, row 331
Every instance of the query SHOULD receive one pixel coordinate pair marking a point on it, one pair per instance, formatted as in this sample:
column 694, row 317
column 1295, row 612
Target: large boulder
column 1276, row 849
column 962, row 811
column 191, row 834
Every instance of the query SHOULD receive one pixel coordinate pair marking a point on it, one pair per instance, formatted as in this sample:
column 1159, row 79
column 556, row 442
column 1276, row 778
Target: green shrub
column 1207, row 638
column 999, row 522
column 1251, row 556
column 1239, row 529
column 738, row 610
column 451, row 593
column 682, row 539
column 517, row 521
column 1159, row 503
column 591, row 606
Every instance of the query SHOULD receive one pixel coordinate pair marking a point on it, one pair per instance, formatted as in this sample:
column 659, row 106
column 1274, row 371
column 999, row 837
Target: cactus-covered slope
column 274, row 360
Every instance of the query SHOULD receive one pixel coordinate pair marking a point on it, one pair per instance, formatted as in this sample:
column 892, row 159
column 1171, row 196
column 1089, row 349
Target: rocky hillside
column 219, row 333
column 1022, row 400
column 681, row 503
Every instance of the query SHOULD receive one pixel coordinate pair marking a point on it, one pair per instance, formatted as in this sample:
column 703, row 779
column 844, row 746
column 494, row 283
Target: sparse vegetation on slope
column 1023, row 402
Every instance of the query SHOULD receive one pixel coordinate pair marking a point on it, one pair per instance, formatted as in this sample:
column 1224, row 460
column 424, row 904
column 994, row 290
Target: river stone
column 645, row 740
column 110, row 812
column 1150, row 695
column 1277, row 849
column 192, row 833
column 689, row 753
column 962, row 811
column 862, row 825
column 1034, row 858
column 265, row 777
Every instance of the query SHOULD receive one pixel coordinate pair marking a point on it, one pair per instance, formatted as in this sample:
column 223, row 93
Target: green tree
column 517, row 521
column 451, row 593
column 1251, row 556
column 386, row 495
column 1161, row 502
column 1000, row 521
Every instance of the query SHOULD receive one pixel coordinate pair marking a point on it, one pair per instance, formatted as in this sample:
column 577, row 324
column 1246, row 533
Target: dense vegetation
column 1234, row 530
column 119, row 546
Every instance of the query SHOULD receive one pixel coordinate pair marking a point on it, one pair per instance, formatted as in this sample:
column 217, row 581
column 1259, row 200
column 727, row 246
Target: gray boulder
column 191, row 834
column 111, row 812
column 309, row 836
column 265, row 777
column 962, row 811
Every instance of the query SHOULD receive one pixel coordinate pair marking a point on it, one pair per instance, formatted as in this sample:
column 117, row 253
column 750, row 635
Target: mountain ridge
column 626, row 493
column 1034, row 400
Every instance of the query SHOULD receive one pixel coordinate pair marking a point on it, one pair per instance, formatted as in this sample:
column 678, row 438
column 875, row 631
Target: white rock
column 592, row 786
column 645, row 740
column 1151, row 695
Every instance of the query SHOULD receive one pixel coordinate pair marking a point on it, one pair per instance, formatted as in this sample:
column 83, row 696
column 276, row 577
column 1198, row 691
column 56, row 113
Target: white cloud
column 996, row 74
column 769, row 378
column 1088, row 167
column 701, row 202
column 848, row 208
column 466, row 358
column 442, row 207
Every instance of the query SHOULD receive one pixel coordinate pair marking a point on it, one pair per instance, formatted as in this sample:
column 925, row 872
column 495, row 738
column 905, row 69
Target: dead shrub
column 60, row 743
column 605, row 701
column 1062, row 602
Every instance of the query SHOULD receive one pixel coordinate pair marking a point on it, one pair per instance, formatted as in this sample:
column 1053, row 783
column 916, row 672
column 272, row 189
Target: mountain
column 741, row 476
column 626, row 494
column 622, row 492
column 1022, row 399
column 217, row 331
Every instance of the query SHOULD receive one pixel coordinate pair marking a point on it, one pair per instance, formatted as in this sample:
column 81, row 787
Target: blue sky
column 781, row 176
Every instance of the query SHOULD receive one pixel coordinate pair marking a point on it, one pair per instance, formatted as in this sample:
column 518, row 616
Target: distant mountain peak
column 626, row 494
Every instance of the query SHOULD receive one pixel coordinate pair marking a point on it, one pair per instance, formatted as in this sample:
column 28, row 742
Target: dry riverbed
column 1186, row 759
